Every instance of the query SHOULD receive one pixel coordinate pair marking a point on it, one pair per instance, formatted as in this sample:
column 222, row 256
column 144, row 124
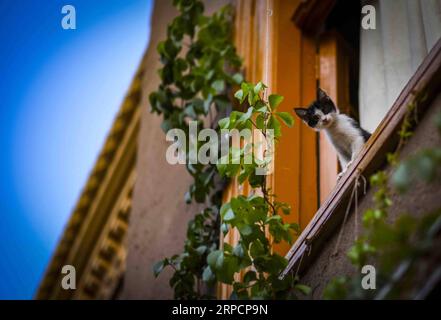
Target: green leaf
column 166, row 125
column 239, row 95
column 260, row 122
column 187, row 197
column 222, row 101
column 246, row 115
column 207, row 103
column 243, row 92
column 238, row 251
column 274, row 100
column 273, row 218
column 303, row 289
column 238, row 78
column 229, row 215
column 158, row 267
column 258, row 88
column 190, row 111
column 336, row 289
column 224, row 228
column 250, row 276
column 286, row 208
column 274, row 124
column 208, row 275
column 228, row 247
column 226, row 212
column 293, row 226
column 215, row 259
column 275, row 263
column 261, row 107
column 245, row 230
column 221, row 168
column 426, row 166
column 234, row 116
column 201, row 250
column 198, row 105
column 226, row 268
column 257, row 249
column 246, row 87
column 255, row 180
column 401, row 178
column 286, row 118
column 358, row 253
column 224, row 123
column 246, row 172
column 218, row 85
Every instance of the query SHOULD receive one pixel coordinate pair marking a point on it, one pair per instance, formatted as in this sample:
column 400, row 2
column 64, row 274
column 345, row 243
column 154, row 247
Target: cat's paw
column 340, row 175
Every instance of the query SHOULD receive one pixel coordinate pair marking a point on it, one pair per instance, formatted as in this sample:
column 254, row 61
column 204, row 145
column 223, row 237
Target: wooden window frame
column 291, row 70
column 334, row 55
column 426, row 81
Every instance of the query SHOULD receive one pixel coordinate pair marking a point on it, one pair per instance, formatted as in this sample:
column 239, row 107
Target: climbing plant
column 198, row 63
column 394, row 247
column 258, row 213
column 196, row 56
column 198, row 68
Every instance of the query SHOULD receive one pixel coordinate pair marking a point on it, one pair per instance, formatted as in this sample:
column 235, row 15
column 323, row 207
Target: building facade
column 132, row 214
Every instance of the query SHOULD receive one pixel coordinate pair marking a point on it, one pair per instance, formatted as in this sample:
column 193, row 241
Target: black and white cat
column 345, row 133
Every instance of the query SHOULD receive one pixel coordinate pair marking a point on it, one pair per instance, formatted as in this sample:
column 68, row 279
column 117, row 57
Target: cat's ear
column 322, row 95
column 301, row 113
column 325, row 102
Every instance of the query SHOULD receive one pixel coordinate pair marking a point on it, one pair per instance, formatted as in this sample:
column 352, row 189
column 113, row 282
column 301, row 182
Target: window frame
column 425, row 82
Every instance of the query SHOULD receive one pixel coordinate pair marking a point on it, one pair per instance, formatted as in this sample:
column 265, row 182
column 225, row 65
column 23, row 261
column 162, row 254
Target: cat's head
column 320, row 114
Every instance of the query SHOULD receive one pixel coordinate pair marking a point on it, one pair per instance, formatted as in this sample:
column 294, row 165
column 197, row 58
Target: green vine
column 196, row 57
column 252, row 215
column 393, row 246
column 199, row 59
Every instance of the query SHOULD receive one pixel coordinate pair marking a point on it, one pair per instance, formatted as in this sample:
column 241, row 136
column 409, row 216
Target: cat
column 344, row 133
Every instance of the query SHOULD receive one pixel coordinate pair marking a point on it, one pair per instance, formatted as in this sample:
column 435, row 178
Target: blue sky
column 59, row 92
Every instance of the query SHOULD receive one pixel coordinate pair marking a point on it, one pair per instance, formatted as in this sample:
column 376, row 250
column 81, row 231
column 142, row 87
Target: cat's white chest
column 343, row 135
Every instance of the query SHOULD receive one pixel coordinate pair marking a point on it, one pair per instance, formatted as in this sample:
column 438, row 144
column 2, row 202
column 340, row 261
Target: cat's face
column 320, row 114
